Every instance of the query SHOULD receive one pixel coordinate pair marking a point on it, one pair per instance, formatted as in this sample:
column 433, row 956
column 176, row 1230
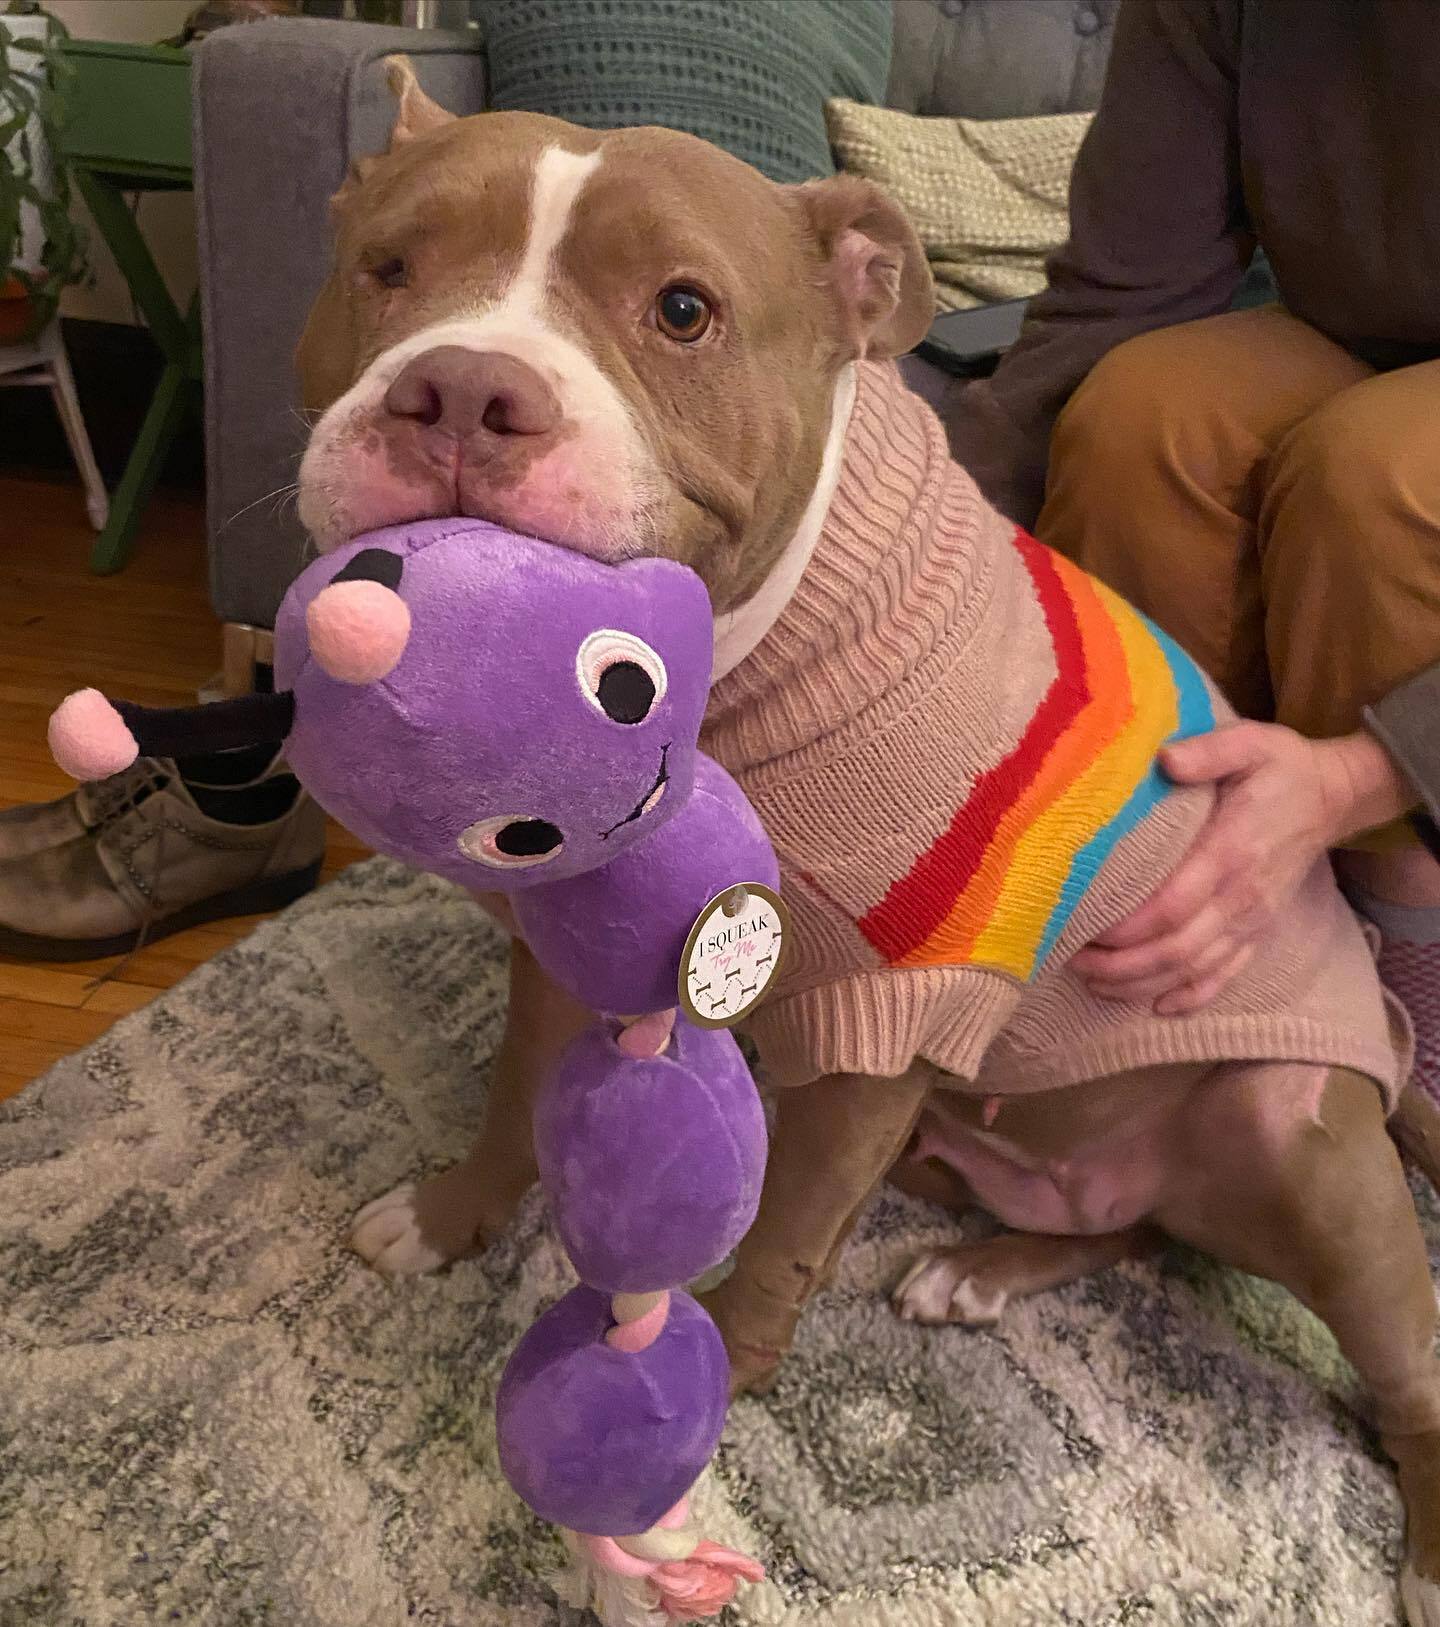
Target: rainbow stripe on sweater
column 998, row 886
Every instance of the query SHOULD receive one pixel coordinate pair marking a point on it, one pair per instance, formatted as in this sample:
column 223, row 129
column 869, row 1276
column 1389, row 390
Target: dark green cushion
column 750, row 75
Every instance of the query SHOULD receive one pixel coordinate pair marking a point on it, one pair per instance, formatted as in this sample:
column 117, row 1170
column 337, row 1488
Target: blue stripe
column 1196, row 716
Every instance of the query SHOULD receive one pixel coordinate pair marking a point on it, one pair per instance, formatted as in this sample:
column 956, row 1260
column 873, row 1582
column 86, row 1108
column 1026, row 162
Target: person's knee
column 1122, row 410
column 1164, row 405
column 1353, row 467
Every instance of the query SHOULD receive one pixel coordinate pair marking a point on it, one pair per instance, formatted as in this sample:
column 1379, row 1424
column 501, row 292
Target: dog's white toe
column 937, row 1289
column 386, row 1235
column 1421, row 1599
column 975, row 1308
column 402, row 1197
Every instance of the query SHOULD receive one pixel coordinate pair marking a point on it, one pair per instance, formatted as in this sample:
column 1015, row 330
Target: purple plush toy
column 524, row 720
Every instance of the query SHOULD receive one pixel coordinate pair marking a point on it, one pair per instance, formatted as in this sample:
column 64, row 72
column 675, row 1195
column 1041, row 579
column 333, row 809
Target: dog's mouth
column 649, row 800
column 369, row 474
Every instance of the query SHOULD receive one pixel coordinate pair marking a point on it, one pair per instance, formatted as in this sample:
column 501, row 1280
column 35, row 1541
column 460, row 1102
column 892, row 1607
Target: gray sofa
column 282, row 107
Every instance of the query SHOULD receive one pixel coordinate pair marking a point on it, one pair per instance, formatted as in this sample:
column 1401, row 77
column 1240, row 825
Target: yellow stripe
column 1107, row 710
column 1046, row 851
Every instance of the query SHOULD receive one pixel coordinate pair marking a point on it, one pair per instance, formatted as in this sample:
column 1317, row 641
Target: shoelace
column 113, row 802
column 112, row 799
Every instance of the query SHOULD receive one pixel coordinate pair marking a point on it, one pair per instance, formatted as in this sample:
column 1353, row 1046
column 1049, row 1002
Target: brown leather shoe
column 34, row 826
column 145, row 854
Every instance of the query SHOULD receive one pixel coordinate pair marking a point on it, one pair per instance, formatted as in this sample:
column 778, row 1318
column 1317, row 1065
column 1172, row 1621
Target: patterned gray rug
column 211, row 1414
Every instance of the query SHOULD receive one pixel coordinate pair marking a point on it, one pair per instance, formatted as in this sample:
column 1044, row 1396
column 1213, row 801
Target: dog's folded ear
column 416, row 113
column 875, row 265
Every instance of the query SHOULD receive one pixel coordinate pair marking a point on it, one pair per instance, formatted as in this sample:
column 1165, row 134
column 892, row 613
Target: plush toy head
column 542, row 714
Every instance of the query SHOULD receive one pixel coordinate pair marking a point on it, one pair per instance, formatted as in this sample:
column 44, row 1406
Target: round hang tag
column 732, row 955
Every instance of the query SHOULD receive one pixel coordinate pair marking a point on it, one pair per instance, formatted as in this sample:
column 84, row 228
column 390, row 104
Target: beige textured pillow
column 987, row 196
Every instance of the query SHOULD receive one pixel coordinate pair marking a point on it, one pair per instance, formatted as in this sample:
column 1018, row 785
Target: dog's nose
column 472, row 392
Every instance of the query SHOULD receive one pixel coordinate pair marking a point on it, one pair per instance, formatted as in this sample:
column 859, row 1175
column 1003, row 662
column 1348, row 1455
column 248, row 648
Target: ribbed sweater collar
column 896, row 572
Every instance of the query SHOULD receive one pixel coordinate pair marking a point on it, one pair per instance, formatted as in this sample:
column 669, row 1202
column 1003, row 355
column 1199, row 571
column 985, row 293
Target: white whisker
column 289, row 488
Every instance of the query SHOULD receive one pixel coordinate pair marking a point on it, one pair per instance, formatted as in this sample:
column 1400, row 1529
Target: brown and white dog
column 631, row 342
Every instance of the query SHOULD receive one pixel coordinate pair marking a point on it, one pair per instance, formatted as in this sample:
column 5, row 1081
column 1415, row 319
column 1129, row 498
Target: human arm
column 1158, row 235
column 1407, row 724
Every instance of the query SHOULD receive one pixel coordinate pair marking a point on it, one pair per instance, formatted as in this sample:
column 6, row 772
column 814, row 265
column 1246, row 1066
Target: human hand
column 1281, row 801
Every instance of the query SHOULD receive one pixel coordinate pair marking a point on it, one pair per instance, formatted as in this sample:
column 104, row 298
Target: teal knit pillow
column 753, row 76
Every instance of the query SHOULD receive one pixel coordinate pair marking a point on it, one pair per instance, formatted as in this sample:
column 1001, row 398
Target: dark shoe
column 34, row 826
column 147, row 853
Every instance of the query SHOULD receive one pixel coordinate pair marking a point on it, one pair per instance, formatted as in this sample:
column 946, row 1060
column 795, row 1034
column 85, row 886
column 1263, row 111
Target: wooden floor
column 148, row 634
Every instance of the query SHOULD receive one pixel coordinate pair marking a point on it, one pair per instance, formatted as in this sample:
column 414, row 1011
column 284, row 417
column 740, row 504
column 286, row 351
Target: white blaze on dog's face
column 625, row 342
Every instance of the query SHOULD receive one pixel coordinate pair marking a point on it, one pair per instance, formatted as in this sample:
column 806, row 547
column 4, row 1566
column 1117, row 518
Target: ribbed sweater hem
column 878, row 1023
column 1202, row 1038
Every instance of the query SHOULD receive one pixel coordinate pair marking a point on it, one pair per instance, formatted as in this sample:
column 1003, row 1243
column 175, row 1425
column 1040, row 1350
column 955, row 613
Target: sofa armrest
column 280, row 109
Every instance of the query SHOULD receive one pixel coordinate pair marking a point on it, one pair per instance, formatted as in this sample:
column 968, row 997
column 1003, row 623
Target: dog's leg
column 972, row 1283
column 1311, row 1195
column 833, row 1143
column 417, row 1228
column 1415, row 1125
column 935, row 1181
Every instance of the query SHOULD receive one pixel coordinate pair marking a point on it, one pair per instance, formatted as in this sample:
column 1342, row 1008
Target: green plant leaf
column 36, row 82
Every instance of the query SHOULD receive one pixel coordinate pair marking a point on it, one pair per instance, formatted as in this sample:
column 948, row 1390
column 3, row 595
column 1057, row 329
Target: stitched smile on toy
column 648, row 801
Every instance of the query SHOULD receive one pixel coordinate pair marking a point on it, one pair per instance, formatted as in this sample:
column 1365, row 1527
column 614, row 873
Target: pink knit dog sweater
column 950, row 735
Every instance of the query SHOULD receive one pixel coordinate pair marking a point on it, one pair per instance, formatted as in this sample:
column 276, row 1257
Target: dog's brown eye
column 682, row 314
column 391, row 273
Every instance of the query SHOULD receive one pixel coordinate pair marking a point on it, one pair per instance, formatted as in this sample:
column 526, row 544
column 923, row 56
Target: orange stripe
column 1110, row 709
column 1046, row 852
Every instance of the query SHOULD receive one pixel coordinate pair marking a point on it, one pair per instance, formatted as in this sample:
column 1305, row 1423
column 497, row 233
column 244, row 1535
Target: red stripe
column 915, row 905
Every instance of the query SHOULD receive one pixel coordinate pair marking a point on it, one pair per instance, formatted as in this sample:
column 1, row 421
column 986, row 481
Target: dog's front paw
column 752, row 1372
column 387, row 1234
column 939, row 1288
column 754, row 1361
column 417, row 1228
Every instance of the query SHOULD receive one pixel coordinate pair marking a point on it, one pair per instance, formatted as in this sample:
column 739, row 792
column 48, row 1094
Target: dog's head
column 625, row 342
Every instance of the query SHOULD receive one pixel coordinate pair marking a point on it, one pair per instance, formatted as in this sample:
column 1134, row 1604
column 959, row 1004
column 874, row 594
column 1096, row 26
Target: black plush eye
column 626, row 693
column 527, row 839
column 391, row 273
column 511, row 841
column 620, row 675
column 682, row 313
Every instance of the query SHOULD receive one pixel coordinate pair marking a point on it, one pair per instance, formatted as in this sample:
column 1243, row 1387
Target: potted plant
column 34, row 191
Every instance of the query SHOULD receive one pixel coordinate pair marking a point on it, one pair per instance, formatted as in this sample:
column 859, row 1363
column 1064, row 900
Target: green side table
column 130, row 132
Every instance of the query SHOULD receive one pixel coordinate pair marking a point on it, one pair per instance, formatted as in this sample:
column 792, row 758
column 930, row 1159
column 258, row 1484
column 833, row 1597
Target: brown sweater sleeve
column 1407, row 724
column 1158, row 235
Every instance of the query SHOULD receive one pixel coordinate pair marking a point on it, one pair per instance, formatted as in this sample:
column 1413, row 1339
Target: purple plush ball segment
column 652, row 1169
column 614, row 938
column 541, row 716
column 601, row 1441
